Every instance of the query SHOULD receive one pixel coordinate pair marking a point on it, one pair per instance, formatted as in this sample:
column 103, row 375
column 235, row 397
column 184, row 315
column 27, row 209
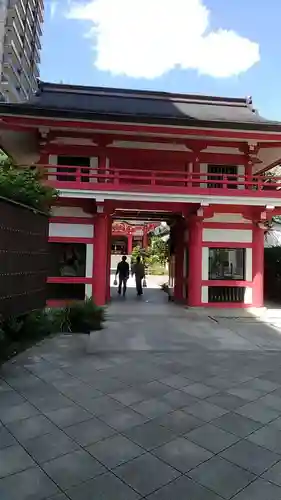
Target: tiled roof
column 141, row 106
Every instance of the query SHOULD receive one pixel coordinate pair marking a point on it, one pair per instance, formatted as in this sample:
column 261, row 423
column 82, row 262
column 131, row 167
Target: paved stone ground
column 179, row 406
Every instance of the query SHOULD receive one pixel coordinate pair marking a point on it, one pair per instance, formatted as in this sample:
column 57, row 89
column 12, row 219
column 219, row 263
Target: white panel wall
column 71, row 230
column 249, row 264
column 69, row 212
column 94, row 163
column 227, row 235
column 228, row 218
column 248, row 299
column 241, row 173
column 204, row 170
column 204, row 294
column 53, row 160
column 150, row 145
column 205, row 263
column 89, row 260
column 88, row 291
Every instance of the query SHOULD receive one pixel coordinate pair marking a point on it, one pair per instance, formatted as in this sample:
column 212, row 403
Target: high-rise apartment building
column 20, row 33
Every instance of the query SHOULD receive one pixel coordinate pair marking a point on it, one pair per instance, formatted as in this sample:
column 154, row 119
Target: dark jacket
column 123, row 270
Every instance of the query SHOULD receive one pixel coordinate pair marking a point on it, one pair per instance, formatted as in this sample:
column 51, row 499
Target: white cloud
column 147, row 38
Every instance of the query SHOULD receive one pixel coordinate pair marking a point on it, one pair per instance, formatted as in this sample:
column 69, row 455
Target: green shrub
column 25, row 185
column 79, row 317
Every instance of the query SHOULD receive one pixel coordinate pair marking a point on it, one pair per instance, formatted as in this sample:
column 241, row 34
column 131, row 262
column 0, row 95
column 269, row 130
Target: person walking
column 139, row 272
column 123, row 271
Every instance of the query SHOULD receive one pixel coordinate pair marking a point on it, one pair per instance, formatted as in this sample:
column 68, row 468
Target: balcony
column 161, row 181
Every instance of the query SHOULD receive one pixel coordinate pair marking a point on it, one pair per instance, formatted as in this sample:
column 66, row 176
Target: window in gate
column 224, row 173
column 73, row 174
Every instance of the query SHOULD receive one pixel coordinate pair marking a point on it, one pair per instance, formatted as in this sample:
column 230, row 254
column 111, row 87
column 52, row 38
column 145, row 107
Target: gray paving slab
column 49, row 446
column 146, row 474
column 182, row 454
column 269, row 437
column 73, row 468
column 14, row 459
column 222, row 477
column 183, row 488
column 105, row 487
column 31, row 484
column 177, row 389
column 115, row 450
column 259, row 490
column 89, row 432
column 212, row 438
column 250, row 456
column 237, row 424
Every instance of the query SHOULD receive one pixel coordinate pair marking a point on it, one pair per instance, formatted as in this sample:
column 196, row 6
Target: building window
column 65, row 291
column 227, row 264
column 72, row 163
column 222, row 173
column 67, row 260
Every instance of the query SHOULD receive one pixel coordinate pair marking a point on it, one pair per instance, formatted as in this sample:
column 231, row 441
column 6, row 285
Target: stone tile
column 180, row 422
column 200, row 391
column 180, row 488
column 60, row 496
column 205, row 411
column 262, row 385
column 146, row 474
column 258, row 412
column 153, row 389
column 274, row 474
column 105, row 487
column 150, row 435
column 259, row 490
column 175, row 381
column 10, row 398
column 64, row 417
column 272, row 401
column 14, row 459
column 225, row 400
column 212, row 438
column 6, row 438
column 220, row 383
column 31, row 484
column 250, row 456
column 178, row 399
column 237, row 424
column 17, row 412
column 115, row 450
column 73, row 468
column 47, row 403
column 31, row 427
column 102, row 406
column 152, row 408
column 245, row 393
column 89, row 432
column 128, row 396
column 49, row 446
column 182, row 454
column 222, row 477
column 268, row 437
column 122, row 420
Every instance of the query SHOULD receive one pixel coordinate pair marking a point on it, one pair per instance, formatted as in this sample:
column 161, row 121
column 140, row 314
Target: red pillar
column 100, row 265
column 258, row 266
column 195, row 263
column 145, row 239
column 109, row 228
column 130, row 243
column 179, row 258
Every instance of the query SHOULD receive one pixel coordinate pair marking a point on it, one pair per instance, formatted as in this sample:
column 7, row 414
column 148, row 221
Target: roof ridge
column 136, row 93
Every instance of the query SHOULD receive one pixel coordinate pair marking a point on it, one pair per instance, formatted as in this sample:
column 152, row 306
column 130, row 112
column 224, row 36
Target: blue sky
column 219, row 47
